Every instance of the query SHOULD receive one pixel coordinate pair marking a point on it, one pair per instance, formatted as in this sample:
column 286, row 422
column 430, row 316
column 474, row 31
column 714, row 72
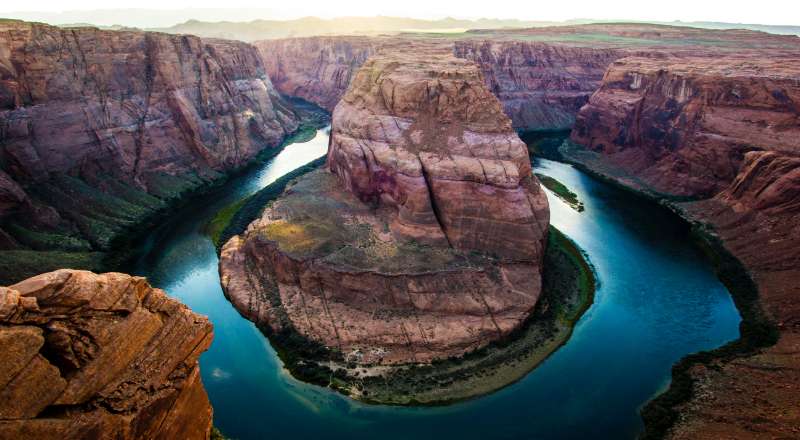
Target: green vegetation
column 216, row 434
column 16, row 265
column 544, row 143
column 222, row 220
column 234, row 219
column 561, row 191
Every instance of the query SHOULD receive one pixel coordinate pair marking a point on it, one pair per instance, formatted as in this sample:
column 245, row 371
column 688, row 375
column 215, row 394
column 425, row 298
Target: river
column 658, row 300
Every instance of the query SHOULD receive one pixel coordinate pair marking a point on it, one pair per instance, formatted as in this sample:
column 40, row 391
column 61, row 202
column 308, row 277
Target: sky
column 780, row 12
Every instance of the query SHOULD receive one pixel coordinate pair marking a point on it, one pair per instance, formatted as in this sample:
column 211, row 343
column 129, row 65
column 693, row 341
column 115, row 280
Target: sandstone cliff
column 424, row 238
column 541, row 75
column 101, row 128
column 542, row 86
column 683, row 125
column 99, row 356
column 724, row 130
column 316, row 69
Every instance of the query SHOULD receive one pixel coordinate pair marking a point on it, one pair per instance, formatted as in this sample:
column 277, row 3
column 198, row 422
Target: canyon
column 100, row 356
column 424, row 236
column 717, row 139
column 705, row 120
column 422, row 239
column 542, row 76
column 100, row 130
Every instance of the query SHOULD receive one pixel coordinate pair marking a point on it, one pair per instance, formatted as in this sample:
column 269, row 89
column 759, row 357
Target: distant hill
column 310, row 26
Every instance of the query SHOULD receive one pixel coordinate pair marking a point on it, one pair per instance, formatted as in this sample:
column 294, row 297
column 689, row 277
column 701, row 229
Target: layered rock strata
column 683, row 125
column 424, row 237
column 101, row 128
column 542, row 86
column 100, row 356
column 541, row 75
column 317, row 69
column 724, row 131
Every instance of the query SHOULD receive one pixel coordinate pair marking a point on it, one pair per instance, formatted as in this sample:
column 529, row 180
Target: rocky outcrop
column 723, row 130
column 100, row 128
column 317, row 69
column 542, row 86
column 100, row 356
column 541, row 75
column 424, row 237
column 683, row 125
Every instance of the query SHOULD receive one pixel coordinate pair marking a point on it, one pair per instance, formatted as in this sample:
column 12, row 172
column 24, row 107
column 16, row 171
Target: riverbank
column 567, row 292
column 129, row 214
column 757, row 329
column 125, row 247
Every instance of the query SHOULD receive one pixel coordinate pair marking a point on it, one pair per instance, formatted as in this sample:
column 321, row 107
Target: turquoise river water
column 658, row 300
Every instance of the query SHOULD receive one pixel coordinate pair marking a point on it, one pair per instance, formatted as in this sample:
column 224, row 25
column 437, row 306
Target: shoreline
column 472, row 375
column 126, row 247
column 757, row 331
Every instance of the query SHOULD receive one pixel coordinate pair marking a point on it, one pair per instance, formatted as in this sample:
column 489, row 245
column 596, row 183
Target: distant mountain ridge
column 314, row 26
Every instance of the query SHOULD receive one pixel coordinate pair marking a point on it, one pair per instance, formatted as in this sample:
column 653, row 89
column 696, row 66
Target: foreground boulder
column 100, row 356
column 423, row 238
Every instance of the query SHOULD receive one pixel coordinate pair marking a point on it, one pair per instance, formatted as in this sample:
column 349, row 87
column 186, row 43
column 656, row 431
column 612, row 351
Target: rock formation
column 317, row 69
column 541, row 75
column 542, row 86
column 422, row 240
column 683, row 125
column 101, row 128
column 723, row 130
column 100, row 356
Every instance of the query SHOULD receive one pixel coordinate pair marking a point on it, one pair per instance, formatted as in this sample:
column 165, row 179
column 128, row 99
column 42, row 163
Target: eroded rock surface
column 683, row 125
column 317, row 69
column 724, row 131
column 542, row 86
column 99, row 129
column 100, row 356
column 424, row 237
column 542, row 75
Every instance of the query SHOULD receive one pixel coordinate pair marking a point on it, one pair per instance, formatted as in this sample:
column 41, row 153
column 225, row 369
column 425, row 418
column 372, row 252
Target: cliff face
column 423, row 240
column 541, row 86
column 724, row 130
column 100, row 356
column 100, row 128
column 683, row 125
column 317, row 69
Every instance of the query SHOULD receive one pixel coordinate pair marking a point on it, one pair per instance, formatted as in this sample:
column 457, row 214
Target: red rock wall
column 134, row 106
column 422, row 134
column 541, row 86
column 683, row 125
column 317, row 69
